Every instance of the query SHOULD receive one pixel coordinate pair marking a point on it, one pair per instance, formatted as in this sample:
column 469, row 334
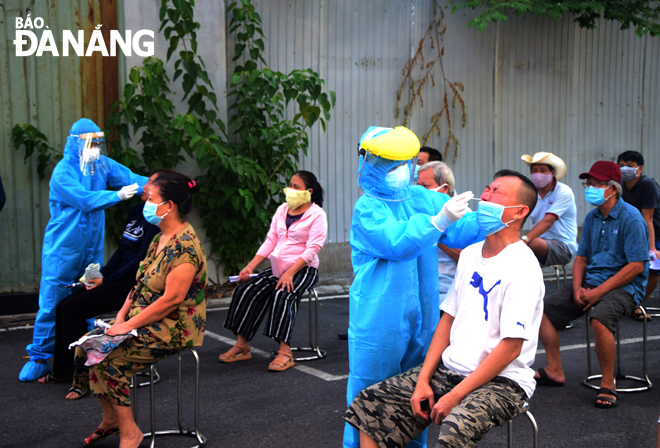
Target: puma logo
column 518, row 323
column 478, row 283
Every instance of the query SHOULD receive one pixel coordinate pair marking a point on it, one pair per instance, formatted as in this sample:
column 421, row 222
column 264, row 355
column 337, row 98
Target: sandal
column 102, row 433
column 639, row 316
column 277, row 366
column 49, row 379
column 230, row 356
column 608, row 402
column 80, row 393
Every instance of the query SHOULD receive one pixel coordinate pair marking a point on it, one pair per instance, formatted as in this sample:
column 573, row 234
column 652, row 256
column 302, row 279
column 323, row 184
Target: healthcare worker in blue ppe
column 74, row 234
column 394, row 302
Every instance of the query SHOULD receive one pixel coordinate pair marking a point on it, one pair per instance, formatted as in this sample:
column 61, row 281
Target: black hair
column 550, row 167
column 312, row 182
column 631, row 156
column 434, row 154
column 528, row 195
column 163, row 171
column 178, row 188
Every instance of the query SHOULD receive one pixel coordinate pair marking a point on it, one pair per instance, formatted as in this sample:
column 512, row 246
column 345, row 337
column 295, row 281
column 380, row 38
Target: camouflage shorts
column 383, row 411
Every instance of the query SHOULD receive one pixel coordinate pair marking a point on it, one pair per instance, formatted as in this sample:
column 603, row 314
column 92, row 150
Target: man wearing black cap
column 609, row 277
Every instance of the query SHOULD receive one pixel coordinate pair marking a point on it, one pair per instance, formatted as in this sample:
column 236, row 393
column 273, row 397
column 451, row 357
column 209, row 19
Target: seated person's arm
column 542, row 226
column 506, row 351
column 578, row 273
column 177, row 284
column 126, row 307
column 454, row 254
column 439, row 343
column 647, row 214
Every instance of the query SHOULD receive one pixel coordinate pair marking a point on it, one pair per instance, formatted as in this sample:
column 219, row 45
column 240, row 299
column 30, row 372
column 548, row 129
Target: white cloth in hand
column 128, row 192
column 453, row 210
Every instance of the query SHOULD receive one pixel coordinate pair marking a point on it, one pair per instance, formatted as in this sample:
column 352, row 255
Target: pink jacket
column 303, row 239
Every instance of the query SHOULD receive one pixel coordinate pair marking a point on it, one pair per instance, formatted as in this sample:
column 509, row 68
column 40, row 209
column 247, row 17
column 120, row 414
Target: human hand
column 656, row 254
column 589, row 298
column 577, row 295
column 128, row 191
column 245, row 274
column 443, row 407
column 119, row 328
column 286, row 282
column 422, row 400
column 453, row 210
column 93, row 283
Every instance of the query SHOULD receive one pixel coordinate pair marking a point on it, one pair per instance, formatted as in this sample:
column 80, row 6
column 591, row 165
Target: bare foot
column 105, row 425
column 557, row 377
column 132, row 439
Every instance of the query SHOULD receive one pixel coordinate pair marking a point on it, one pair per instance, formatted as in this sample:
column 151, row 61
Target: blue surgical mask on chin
column 595, row 196
column 398, row 178
column 489, row 217
column 149, row 212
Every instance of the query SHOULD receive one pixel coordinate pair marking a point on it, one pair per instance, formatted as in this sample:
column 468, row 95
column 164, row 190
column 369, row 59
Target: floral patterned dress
column 182, row 328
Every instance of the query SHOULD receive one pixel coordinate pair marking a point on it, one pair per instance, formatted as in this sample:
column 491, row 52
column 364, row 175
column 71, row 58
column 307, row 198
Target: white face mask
column 437, row 189
column 540, row 180
column 628, row 173
column 399, row 177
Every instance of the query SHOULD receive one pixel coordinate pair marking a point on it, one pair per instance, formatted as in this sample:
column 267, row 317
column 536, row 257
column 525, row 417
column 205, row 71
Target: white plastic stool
column 152, row 405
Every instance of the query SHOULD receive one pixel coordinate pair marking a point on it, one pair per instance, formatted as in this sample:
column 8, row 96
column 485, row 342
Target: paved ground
column 244, row 405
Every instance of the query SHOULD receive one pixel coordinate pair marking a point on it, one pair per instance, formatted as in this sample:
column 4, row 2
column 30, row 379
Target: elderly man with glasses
column 609, row 278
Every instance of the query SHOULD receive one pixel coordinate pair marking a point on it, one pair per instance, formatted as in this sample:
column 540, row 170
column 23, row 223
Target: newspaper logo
column 27, row 43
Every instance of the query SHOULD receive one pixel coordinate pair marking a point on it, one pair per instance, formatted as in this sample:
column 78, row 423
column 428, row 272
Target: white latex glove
column 452, row 211
column 129, row 191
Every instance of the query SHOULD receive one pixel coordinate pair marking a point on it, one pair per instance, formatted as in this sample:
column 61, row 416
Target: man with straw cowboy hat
column 553, row 239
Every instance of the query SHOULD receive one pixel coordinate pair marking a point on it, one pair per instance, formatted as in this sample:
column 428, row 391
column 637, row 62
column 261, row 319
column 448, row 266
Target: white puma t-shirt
column 492, row 299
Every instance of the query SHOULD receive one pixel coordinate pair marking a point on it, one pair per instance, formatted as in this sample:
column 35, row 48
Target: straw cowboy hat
column 547, row 158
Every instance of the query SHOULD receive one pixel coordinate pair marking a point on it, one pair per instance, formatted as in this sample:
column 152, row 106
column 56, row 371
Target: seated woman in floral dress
column 166, row 306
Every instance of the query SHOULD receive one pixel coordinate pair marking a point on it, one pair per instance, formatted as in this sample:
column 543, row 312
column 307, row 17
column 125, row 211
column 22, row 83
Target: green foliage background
column 244, row 165
column 642, row 14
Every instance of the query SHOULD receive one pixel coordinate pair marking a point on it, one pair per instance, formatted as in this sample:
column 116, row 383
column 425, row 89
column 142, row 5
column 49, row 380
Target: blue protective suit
column 394, row 301
column 74, row 234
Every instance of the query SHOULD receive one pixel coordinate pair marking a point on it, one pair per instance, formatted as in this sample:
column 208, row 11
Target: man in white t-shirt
column 477, row 372
column 554, row 235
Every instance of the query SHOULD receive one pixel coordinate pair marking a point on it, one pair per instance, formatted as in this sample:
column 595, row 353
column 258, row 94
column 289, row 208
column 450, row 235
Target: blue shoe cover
column 32, row 371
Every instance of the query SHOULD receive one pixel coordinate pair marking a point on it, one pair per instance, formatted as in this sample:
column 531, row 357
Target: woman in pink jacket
column 296, row 235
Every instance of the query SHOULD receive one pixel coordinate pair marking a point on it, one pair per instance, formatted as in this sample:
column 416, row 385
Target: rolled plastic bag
column 98, row 346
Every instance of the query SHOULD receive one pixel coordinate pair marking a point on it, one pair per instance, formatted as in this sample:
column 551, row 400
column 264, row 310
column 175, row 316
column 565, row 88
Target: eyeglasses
column 596, row 183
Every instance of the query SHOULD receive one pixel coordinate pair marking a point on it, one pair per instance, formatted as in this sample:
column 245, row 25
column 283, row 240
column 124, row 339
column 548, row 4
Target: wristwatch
column 525, row 239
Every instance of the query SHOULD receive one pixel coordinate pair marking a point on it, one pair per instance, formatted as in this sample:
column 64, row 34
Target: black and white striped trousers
column 252, row 299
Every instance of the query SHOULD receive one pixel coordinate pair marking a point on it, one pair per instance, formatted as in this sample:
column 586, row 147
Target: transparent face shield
column 91, row 148
column 399, row 176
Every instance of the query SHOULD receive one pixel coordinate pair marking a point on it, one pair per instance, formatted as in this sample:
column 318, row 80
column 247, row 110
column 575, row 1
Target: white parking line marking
column 255, row 351
column 623, row 342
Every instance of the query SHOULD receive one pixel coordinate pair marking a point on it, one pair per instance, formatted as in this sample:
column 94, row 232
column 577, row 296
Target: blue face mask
column 489, row 217
column 149, row 212
column 398, row 178
column 595, row 196
column 416, row 172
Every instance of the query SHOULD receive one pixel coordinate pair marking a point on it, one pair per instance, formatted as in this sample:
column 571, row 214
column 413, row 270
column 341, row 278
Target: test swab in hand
column 234, row 278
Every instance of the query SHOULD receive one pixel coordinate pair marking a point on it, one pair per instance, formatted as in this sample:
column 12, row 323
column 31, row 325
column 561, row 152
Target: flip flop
column 545, row 379
column 49, row 379
column 81, row 393
column 608, row 402
column 639, row 316
column 102, row 433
